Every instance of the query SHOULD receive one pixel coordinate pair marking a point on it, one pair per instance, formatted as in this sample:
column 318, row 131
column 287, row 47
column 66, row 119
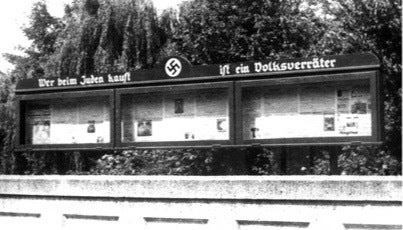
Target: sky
column 14, row 14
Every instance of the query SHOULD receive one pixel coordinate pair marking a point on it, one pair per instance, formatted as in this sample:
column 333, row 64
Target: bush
column 186, row 162
column 367, row 160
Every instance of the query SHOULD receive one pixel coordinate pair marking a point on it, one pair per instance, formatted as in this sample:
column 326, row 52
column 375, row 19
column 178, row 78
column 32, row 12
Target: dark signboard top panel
column 177, row 69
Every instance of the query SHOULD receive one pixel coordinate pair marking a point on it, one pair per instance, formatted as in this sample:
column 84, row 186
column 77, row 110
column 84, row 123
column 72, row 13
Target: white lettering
column 66, row 82
column 297, row 64
column 46, row 83
column 273, row 66
column 41, row 83
column 258, row 67
column 127, row 77
column 327, row 63
column 82, row 80
column 283, row 66
column 242, row 69
column 290, row 66
column 276, row 67
column 316, row 63
column 224, row 70
column 91, row 80
column 119, row 78
column 303, row 65
column 266, row 67
column 321, row 63
column 332, row 63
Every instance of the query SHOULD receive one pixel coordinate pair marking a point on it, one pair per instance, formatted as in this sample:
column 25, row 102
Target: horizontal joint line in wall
column 20, row 214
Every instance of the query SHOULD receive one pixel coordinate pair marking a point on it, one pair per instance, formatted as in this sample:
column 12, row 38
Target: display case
column 192, row 114
column 66, row 120
column 327, row 100
column 324, row 109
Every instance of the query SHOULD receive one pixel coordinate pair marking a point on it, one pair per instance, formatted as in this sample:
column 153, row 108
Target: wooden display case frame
column 176, row 144
column 20, row 135
column 373, row 76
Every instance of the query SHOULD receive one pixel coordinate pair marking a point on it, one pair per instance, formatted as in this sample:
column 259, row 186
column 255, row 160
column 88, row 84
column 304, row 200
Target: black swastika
column 173, row 67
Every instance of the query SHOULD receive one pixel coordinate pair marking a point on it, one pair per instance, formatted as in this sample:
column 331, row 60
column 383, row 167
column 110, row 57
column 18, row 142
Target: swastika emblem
column 173, row 67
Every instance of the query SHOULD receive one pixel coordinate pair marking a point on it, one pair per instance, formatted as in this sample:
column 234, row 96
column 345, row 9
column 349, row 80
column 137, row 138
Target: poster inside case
column 38, row 124
column 68, row 121
column 201, row 114
column 309, row 110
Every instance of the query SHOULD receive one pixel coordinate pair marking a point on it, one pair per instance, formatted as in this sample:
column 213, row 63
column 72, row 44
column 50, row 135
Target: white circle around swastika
column 173, row 67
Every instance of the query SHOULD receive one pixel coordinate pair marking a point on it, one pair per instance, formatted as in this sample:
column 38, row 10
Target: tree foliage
column 7, row 124
column 228, row 31
column 103, row 36
column 43, row 31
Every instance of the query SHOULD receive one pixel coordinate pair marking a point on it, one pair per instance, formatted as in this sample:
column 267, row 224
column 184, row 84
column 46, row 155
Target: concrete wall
column 162, row 202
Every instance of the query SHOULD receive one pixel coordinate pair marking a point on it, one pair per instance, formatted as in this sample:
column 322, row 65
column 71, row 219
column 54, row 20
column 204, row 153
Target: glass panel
column 68, row 121
column 308, row 110
column 175, row 116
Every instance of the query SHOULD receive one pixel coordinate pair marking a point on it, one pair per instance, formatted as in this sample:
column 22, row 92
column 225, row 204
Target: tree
column 102, row 36
column 42, row 32
column 229, row 31
column 7, row 123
